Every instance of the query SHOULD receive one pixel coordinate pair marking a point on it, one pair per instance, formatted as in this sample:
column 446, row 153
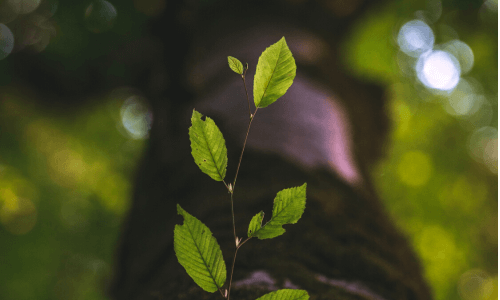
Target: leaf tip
column 180, row 211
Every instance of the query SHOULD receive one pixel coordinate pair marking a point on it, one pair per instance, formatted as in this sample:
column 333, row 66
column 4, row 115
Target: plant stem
column 237, row 244
column 246, row 92
column 234, row 225
column 232, row 268
column 244, row 144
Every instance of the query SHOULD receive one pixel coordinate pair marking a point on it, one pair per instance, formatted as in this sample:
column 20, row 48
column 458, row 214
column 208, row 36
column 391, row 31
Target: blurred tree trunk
column 344, row 247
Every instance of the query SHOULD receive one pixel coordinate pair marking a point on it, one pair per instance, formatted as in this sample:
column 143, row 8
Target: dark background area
column 74, row 125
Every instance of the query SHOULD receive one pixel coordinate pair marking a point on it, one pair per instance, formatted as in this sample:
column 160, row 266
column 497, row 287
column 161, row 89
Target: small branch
column 232, row 268
column 246, row 92
column 244, row 144
column 234, row 224
column 241, row 244
column 232, row 271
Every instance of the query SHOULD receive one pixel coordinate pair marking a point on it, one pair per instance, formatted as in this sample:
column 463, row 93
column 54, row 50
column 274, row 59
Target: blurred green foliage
column 65, row 180
column 445, row 201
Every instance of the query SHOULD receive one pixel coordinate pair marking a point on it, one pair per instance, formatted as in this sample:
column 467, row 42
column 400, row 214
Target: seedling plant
column 196, row 248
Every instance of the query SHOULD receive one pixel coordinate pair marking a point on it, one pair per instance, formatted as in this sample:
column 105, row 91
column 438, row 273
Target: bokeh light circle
column 415, row 37
column 483, row 147
column 438, row 70
column 100, row 16
column 475, row 284
column 6, row 41
column 462, row 52
column 136, row 117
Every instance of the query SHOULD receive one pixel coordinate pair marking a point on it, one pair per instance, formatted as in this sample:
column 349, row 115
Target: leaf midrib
column 208, row 147
column 272, row 74
column 274, row 216
column 202, row 258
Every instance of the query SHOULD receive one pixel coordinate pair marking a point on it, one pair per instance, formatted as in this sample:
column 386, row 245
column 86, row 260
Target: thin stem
column 222, row 294
column 232, row 268
column 246, row 92
column 231, row 190
column 232, row 212
column 244, row 144
column 232, row 271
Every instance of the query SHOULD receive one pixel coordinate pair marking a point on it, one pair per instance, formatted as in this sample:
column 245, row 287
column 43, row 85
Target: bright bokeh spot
column 6, row 41
column 415, row 168
column 438, row 70
column 483, row 147
column 415, row 38
column 100, row 16
column 462, row 52
column 475, row 284
column 136, row 117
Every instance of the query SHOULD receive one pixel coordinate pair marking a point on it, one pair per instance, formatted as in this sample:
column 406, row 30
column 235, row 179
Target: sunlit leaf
column 208, row 147
column 288, row 207
column 199, row 253
column 255, row 223
column 235, row 64
column 286, row 294
column 274, row 74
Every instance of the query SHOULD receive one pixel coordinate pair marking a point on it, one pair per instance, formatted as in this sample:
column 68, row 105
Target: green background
column 66, row 178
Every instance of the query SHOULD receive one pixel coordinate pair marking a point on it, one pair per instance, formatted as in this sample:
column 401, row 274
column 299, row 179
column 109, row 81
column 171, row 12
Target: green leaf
column 235, row 64
column 199, row 253
column 274, row 74
column 208, row 147
column 286, row 294
column 288, row 207
column 255, row 223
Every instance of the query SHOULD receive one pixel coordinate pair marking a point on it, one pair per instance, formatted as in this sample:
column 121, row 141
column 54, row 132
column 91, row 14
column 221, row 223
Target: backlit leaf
column 255, row 223
column 235, row 65
column 288, row 207
column 199, row 253
column 274, row 74
column 208, row 147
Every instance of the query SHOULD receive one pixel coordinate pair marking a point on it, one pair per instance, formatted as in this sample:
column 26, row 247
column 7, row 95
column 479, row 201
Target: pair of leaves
column 275, row 72
column 200, row 254
column 274, row 75
column 288, row 207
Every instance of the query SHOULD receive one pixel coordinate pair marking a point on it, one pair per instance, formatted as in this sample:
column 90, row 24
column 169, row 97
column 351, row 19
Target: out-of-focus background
column 66, row 172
